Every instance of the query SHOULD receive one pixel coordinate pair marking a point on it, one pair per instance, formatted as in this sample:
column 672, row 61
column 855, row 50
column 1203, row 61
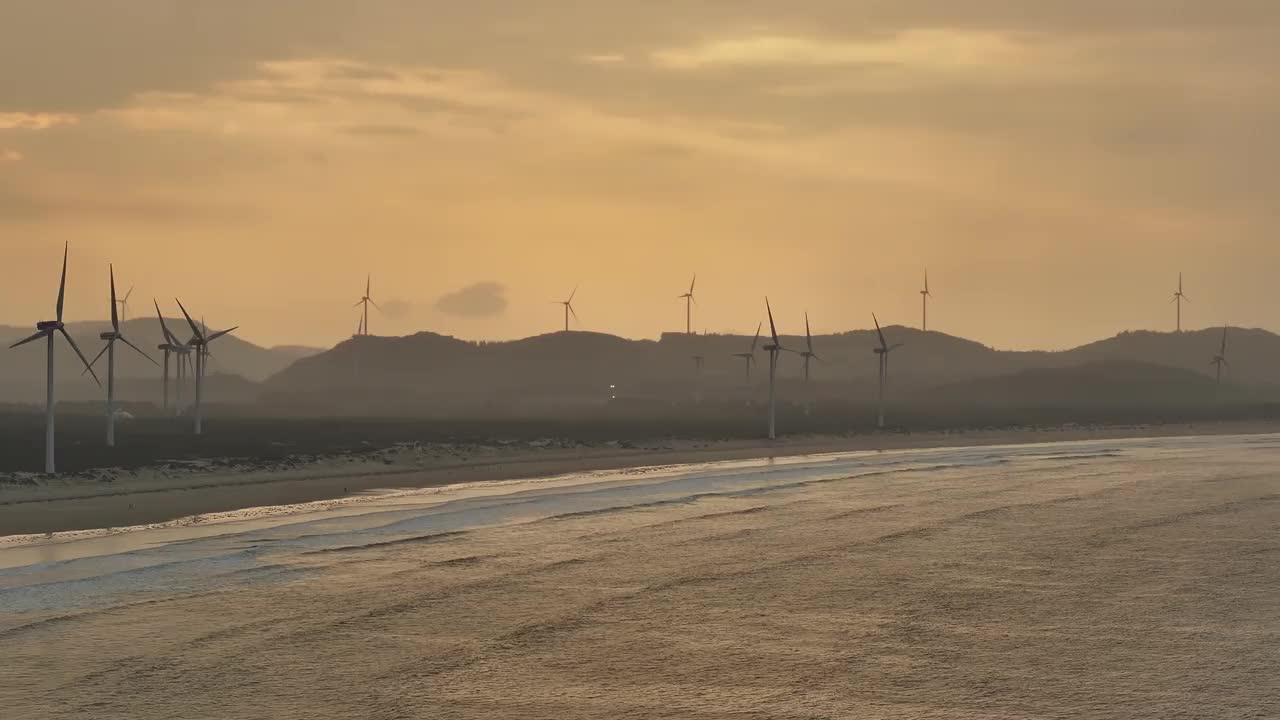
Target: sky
column 1053, row 164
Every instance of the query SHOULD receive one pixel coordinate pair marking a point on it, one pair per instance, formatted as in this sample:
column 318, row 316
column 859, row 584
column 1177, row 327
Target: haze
column 1054, row 164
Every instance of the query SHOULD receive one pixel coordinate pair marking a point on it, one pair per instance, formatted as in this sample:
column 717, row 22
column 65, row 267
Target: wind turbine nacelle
column 108, row 336
column 48, row 325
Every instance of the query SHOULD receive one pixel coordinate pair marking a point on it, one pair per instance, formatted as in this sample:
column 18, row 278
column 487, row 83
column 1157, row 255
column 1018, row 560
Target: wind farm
column 1045, row 491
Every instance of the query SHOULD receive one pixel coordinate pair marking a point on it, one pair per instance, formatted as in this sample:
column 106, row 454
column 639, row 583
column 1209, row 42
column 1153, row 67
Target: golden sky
column 1054, row 163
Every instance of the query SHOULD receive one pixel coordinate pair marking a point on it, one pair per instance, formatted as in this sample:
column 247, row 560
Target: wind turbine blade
column 168, row 336
column 190, row 322
column 376, row 305
column 33, row 338
column 62, row 284
column 135, row 347
column 220, row 333
column 573, row 312
column 773, row 329
column 1184, row 297
column 115, row 317
column 359, row 303
column 695, row 282
column 572, row 294
column 895, row 347
column 759, row 327
column 808, row 337
column 128, row 295
column 96, row 358
column 368, row 285
column 883, row 342
column 75, row 347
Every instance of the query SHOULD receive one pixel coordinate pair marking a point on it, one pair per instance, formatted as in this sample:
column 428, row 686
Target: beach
column 114, row 498
column 1090, row 579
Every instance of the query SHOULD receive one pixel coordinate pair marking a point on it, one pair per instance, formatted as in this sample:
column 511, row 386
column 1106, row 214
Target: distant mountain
column 22, row 369
column 1110, row 383
column 436, row 373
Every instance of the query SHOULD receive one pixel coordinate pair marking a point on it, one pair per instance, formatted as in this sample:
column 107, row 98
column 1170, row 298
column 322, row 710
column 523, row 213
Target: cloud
column 34, row 121
column 937, row 50
column 397, row 308
column 603, row 58
column 485, row 299
column 381, row 130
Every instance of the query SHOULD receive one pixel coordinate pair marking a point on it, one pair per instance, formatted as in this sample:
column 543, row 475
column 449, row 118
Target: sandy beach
column 1098, row 579
column 120, row 499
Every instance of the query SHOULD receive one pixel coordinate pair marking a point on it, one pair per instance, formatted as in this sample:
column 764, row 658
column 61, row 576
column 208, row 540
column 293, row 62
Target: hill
column 22, row 369
column 434, row 373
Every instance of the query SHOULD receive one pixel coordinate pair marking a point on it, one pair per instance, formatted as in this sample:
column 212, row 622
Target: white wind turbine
column 924, row 297
column 749, row 358
column 366, row 300
column 124, row 304
column 46, row 329
column 568, row 309
column 1220, row 360
column 774, row 348
column 689, row 302
column 109, row 349
column 883, row 352
column 808, row 354
column 199, row 343
column 1179, row 298
column 172, row 346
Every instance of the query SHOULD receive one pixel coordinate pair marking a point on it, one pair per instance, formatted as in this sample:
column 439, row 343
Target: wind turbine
column 1178, row 298
column 883, row 351
column 1220, row 359
column 924, row 297
column 808, row 354
column 689, row 302
column 124, row 304
column 46, row 329
column 171, row 346
column 750, row 357
column 199, row 343
column 774, row 348
column 109, row 350
column 366, row 300
column 568, row 308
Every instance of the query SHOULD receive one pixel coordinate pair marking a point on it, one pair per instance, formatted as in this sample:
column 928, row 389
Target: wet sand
column 132, row 499
column 1128, row 579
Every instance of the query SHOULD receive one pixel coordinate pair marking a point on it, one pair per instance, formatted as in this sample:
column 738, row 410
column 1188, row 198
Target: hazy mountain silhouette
column 445, row 374
column 1111, row 383
column 22, row 369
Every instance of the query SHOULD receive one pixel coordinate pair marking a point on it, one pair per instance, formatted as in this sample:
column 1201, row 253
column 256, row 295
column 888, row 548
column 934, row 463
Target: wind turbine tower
column 568, row 309
column 749, row 358
column 883, row 352
column 47, row 329
column 1220, row 360
column 1179, row 298
column 199, row 344
column 366, row 300
column 689, row 302
column 774, row 348
column 808, row 353
column 171, row 346
column 924, row 297
column 124, row 304
column 110, row 350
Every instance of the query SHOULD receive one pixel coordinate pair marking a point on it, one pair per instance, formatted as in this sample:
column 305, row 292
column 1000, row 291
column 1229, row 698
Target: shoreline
column 142, row 499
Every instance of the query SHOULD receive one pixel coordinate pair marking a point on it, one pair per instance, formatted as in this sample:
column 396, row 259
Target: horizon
column 1053, row 169
column 782, row 332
